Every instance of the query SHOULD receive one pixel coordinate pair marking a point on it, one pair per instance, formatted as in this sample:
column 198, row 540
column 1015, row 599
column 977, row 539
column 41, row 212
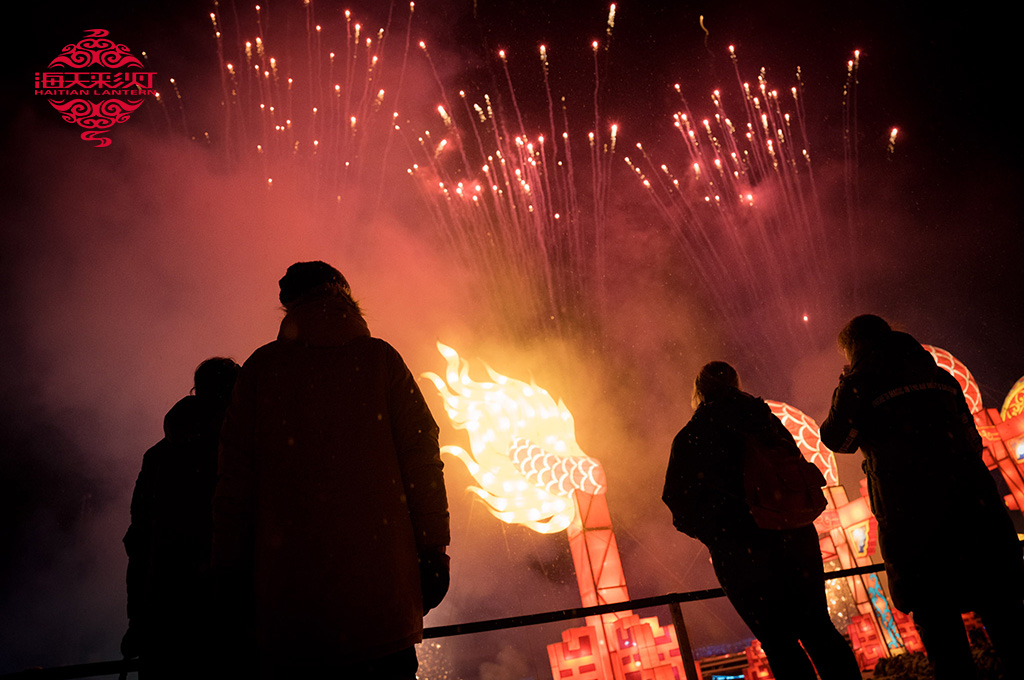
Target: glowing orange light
column 524, row 454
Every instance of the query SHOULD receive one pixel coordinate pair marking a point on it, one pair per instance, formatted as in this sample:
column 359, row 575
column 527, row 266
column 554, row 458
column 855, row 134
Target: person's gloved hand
column 130, row 643
column 435, row 576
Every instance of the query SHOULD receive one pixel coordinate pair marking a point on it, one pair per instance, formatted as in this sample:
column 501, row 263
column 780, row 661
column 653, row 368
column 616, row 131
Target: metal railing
column 671, row 600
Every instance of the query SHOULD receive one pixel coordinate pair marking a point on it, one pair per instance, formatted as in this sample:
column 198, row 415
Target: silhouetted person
column 774, row 578
column 947, row 540
column 168, row 542
column 330, row 514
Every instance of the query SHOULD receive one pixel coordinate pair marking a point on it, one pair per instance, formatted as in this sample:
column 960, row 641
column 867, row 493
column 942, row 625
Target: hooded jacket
column 941, row 520
column 168, row 541
column 330, row 479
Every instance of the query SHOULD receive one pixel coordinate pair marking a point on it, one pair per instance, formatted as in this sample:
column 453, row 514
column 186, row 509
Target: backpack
column 783, row 489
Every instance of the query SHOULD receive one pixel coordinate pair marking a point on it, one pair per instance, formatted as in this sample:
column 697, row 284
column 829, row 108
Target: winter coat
column 168, row 542
column 942, row 524
column 329, row 481
column 704, row 481
column 772, row 577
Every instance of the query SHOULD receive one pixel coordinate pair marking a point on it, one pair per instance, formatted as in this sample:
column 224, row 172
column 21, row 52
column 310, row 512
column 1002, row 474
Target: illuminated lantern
column 864, row 640
column 806, row 433
column 1013, row 405
column 1013, row 413
column 908, row 631
column 529, row 470
column 860, row 526
column 643, row 649
column 1002, row 431
column 524, row 455
column 951, row 365
column 757, row 663
column 575, row 656
column 974, row 627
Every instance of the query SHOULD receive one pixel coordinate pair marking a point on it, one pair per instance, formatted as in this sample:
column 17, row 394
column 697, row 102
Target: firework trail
column 510, row 201
column 738, row 191
column 327, row 125
column 520, row 201
column 505, row 198
column 740, row 196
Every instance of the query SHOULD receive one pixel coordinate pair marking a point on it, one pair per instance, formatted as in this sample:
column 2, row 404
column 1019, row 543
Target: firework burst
column 326, row 123
column 739, row 194
column 513, row 202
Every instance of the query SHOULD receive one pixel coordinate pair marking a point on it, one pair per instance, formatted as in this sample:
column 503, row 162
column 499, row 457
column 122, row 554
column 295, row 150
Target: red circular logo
column 95, row 83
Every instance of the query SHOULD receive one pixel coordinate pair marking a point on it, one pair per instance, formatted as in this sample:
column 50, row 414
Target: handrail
column 583, row 612
column 91, row 670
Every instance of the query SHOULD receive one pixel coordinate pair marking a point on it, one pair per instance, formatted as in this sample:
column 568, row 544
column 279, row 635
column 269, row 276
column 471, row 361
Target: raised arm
column 841, row 429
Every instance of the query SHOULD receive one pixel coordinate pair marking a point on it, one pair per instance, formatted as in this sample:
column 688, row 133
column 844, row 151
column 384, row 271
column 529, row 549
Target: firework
column 525, row 208
column 326, row 124
column 739, row 194
column 524, row 203
column 509, row 198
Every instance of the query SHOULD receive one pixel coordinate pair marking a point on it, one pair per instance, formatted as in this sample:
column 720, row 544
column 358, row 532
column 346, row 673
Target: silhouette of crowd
column 293, row 521
column 928, row 487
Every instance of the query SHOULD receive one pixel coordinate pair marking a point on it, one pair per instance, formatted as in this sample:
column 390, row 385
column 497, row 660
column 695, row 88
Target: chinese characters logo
column 95, row 84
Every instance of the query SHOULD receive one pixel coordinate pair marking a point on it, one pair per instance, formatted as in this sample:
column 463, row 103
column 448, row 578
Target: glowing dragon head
column 523, row 451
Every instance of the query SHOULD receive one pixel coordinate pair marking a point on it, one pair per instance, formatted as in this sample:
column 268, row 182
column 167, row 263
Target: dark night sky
column 113, row 290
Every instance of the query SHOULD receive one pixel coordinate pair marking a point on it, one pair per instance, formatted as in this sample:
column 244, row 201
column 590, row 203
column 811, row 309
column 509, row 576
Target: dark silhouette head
column 310, row 281
column 715, row 380
column 861, row 333
column 215, row 379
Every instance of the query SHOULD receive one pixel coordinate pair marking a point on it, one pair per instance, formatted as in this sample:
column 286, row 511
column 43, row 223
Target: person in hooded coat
column 773, row 578
column 947, row 540
column 168, row 541
column 330, row 514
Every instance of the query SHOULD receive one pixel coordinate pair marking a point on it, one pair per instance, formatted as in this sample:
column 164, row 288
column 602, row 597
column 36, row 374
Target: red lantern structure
column 1002, row 431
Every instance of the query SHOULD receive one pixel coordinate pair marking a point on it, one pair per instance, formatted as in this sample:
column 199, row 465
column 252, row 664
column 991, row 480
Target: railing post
column 683, row 639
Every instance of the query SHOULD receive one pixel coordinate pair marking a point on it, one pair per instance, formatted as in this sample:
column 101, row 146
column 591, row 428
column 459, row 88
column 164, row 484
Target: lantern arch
column 954, row 367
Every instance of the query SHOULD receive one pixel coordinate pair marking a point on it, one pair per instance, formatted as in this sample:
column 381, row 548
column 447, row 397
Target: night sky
column 122, row 268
